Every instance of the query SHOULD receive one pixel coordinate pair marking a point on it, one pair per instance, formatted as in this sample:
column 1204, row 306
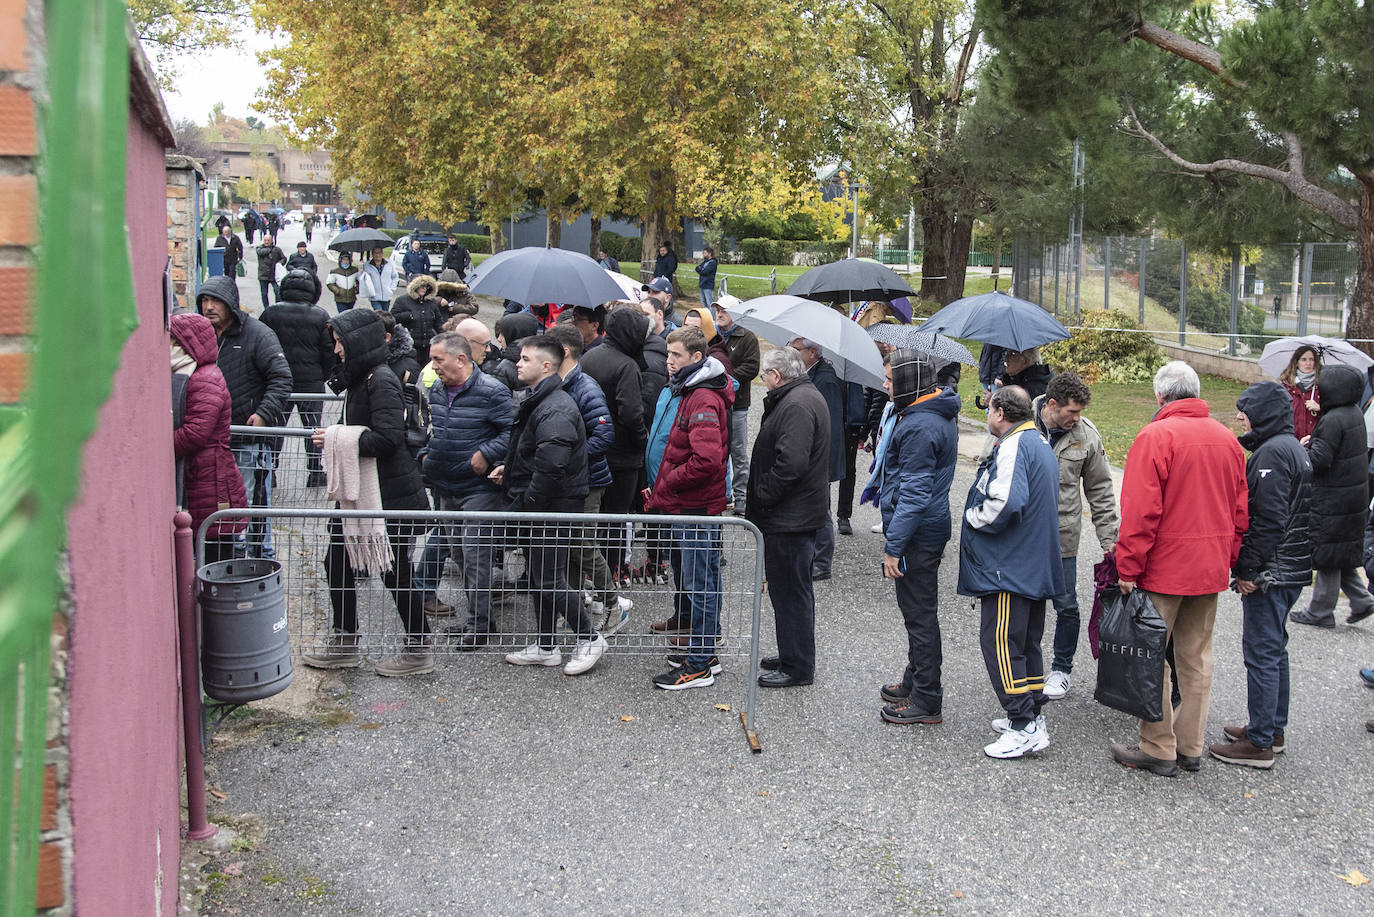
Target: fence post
column 1140, row 284
column 1056, row 281
column 773, row 280
column 1235, row 299
column 1107, row 274
column 1183, row 296
column 1305, row 303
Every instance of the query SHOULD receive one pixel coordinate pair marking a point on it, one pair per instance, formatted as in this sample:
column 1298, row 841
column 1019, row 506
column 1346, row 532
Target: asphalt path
column 489, row 789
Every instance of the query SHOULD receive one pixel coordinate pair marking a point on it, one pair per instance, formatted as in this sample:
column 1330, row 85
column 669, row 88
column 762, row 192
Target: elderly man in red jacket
column 1184, row 508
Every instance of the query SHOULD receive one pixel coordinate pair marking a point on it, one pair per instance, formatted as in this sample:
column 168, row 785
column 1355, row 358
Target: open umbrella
column 1330, row 351
column 633, row 289
column 850, row 280
column 997, row 318
column 360, row 240
column 532, row 274
column 782, row 317
column 910, row 337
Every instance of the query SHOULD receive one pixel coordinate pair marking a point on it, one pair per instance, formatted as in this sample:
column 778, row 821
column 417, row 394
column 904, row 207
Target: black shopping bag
column 1130, row 662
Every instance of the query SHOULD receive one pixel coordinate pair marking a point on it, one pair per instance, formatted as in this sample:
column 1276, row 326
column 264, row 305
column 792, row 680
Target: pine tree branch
column 1207, row 58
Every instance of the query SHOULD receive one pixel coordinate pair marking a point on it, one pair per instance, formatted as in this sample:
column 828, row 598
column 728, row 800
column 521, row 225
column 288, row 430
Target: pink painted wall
column 125, row 717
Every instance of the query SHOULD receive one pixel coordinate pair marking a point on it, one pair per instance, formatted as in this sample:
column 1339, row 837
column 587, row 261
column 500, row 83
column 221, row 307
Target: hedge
column 782, row 251
column 474, row 242
column 622, row 248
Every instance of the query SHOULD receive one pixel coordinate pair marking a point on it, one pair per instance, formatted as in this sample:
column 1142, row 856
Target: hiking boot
column 1057, row 685
column 896, row 693
column 1136, row 759
column 534, row 654
column 437, row 608
column 469, row 640
column 1306, row 616
column 1190, row 763
column 1016, row 743
column 680, row 678
column 671, row 626
column 908, row 713
column 1236, row 733
column 416, row 659
column 843, row 527
column 340, row 652
column 612, row 617
column 1243, row 752
column 585, row 655
column 678, row 660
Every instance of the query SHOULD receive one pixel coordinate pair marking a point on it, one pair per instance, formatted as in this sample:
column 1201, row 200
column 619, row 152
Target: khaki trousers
column 1189, row 619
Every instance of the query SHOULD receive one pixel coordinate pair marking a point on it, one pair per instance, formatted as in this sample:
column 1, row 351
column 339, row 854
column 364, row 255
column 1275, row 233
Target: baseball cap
column 658, row 285
column 728, row 303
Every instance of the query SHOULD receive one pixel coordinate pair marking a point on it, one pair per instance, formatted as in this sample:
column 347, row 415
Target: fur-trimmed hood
column 421, row 287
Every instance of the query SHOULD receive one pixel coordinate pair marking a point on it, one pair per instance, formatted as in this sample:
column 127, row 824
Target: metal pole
column 1235, row 299
column 199, row 827
column 1305, row 304
column 1041, row 281
column 1056, row 281
column 855, row 186
column 1183, row 297
column 1140, row 285
column 1107, row 273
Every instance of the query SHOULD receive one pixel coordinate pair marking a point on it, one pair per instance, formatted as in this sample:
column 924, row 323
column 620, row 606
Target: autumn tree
column 169, row 28
column 260, row 184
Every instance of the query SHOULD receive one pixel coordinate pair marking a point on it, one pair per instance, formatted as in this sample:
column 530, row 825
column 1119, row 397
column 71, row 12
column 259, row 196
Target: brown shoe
column 684, row 639
column 671, row 626
column 438, row 609
column 1134, row 758
column 1236, row 733
column 1244, row 752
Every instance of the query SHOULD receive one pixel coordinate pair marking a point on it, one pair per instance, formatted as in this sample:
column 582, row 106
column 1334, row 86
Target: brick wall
column 183, row 188
column 20, row 82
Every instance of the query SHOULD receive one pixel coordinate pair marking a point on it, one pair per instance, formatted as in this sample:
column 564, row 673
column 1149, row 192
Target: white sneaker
column 585, row 655
column 534, row 654
column 877, row 529
column 1057, row 685
column 616, row 617
column 1003, row 725
column 1017, row 742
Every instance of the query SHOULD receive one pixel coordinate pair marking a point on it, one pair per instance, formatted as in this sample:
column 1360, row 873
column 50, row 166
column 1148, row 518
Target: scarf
column 1305, row 380
column 181, row 361
column 878, row 470
column 351, row 479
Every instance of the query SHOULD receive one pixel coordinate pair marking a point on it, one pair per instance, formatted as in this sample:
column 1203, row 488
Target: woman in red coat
column 1300, row 379
column 201, row 437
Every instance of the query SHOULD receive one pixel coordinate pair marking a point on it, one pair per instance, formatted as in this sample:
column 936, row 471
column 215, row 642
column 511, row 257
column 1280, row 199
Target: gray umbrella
column 905, row 337
column 360, row 240
column 534, row 274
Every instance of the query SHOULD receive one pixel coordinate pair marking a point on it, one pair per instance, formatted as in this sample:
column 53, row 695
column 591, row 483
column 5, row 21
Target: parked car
column 431, row 243
column 293, row 216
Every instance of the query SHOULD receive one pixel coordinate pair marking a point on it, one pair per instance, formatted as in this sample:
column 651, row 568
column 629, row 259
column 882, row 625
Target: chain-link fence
column 1224, row 303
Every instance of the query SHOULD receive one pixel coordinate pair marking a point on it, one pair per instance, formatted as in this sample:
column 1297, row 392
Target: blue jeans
column 1264, row 645
column 255, row 461
column 708, row 296
column 263, row 286
column 696, row 576
column 381, row 305
column 1066, row 619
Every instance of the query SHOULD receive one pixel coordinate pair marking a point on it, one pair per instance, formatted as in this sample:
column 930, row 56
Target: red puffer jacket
column 691, row 477
column 212, row 478
column 1184, row 503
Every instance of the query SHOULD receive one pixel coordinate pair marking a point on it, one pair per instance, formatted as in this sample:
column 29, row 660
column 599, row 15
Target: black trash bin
column 244, row 651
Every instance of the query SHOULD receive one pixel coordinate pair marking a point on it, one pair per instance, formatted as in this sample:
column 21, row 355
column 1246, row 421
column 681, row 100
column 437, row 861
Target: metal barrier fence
column 498, row 582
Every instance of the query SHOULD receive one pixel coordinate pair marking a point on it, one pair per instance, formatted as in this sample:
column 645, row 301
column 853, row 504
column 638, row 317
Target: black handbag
column 1130, row 664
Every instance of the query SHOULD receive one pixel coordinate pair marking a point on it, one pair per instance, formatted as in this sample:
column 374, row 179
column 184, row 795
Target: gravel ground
column 488, row 789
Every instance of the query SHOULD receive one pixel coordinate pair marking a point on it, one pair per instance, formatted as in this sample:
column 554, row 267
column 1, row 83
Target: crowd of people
column 618, row 409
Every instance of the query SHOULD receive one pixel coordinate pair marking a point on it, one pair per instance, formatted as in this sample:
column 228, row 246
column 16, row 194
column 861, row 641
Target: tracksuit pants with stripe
column 1009, row 631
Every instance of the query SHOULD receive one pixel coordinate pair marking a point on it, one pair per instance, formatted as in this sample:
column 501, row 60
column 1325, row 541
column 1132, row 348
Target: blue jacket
column 918, row 471
column 600, row 431
column 664, row 415
column 1010, row 538
column 414, row 262
column 706, row 274
column 855, row 406
column 477, row 419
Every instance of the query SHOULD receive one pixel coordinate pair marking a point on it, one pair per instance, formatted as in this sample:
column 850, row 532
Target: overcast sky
column 229, row 76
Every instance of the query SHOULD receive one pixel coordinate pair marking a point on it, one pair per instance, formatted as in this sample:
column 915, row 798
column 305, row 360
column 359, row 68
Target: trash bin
column 244, row 653
column 214, row 261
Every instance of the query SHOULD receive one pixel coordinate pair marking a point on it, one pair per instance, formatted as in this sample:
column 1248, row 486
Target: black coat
column 1279, row 477
column 400, row 356
column 789, row 481
column 373, row 399
column 1340, row 473
column 233, row 250
column 302, row 261
column 654, row 377
column 303, row 330
column 251, row 359
column 743, row 347
column 1034, row 379
column 666, row 265
column 614, row 364
column 419, row 313
column 269, row 256
column 456, row 257
column 823, row 376
column 514, row 328
column 546, row 464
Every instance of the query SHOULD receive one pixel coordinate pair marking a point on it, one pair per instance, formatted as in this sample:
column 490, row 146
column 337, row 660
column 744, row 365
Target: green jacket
column 1083, row 469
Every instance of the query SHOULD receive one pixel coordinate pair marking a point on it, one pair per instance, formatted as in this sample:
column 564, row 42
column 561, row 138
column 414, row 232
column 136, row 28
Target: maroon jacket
column 691, row 478
column 212, row 478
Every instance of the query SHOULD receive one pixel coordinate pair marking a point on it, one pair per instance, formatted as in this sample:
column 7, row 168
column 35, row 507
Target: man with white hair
column 1184, row 509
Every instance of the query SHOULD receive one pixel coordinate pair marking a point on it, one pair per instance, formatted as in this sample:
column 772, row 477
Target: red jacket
column 1184, row 503
column 212, row 478
column 691, row 478
column 1304, row 420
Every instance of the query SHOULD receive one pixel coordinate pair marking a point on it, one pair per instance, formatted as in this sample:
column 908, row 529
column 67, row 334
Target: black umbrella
column 534, row 274
column 360, row 240
column 850, row 280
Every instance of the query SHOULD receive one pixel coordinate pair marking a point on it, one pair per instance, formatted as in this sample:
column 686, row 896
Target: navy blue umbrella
column 997, row 318
column 533, row 274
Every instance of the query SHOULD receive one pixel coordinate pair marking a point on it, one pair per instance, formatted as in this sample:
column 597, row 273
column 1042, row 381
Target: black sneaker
column 680, row 679
column 678, row 660
column 894, row 693
column 908, row 713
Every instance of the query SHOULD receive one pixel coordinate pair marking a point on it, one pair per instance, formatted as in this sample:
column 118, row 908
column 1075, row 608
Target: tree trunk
column 959, row 243
column 996, row 256
column 498, row 238
column 594, row 245
column 937, row 226
column 1361, row 321
column 553, row 235
column 659, row 203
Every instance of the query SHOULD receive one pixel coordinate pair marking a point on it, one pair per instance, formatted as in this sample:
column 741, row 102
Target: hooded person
column 616, row 365
column 400, row 350
column 200, row 440
column 511, row 329
column 1273, row 567
column 913, row 476
column 373, row 418
column 418, row 310
column 455, row 298
column 343, row 282
column 302, row 328
column 715, row 342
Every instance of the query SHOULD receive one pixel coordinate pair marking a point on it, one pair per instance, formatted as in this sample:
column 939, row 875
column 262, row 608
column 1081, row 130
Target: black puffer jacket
column 418, row 310
column 654, row 378
column 373, row 399
column 400, row 356
column 302, row 328
column 1034, row 379
column 546, row 466
column 303, row 261
column 1340, row 473
column 1279, row 477
column 251, row 360
column 615, row 365
column 514, row 327
column 789, row 480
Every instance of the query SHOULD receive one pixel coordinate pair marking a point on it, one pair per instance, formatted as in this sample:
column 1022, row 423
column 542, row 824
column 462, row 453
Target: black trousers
column 787, row 558
column 546, row 558
column 1010, row 630
column 853, row 436
column 310, row 412
column 918, row 598
column 618, row 499
column 343, row 597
